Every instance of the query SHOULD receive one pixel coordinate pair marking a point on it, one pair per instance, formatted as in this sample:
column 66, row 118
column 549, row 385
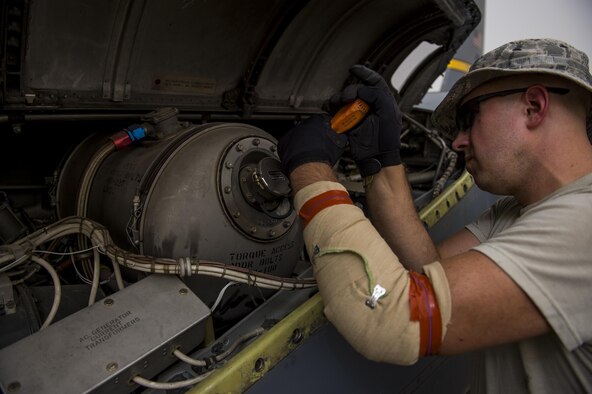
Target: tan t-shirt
column 546, row 248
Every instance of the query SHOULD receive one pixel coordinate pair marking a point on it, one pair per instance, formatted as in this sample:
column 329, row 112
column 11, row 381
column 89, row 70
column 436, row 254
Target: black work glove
column 375, row 143
column 311, row 140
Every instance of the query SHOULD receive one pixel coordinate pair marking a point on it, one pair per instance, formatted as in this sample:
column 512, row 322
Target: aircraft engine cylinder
column 215, row 192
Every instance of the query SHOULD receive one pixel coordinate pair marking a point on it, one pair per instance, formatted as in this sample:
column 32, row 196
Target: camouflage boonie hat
column 531, row 56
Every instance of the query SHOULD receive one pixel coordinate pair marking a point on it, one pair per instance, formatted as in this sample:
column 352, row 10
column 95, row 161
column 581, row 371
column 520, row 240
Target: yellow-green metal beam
column 439, row 206
column 253, row 362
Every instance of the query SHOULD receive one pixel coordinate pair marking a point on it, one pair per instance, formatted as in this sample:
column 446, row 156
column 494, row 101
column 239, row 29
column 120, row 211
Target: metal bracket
column 7, row 304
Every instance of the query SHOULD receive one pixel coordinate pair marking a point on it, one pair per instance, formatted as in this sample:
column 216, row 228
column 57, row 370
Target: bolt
column 286, row 224
column 273, row 148
column 239, row 148
column 227, row 189
column 228, row 165
column 272, row 233
column 109, row 301
column 253, row 230
column 256, row 141
column 236, row 215
column 183, row 291
column 9, row 304
column 112, row 367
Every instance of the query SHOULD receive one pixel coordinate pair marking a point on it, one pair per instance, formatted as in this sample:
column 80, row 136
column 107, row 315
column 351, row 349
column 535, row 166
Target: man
column 516, row 284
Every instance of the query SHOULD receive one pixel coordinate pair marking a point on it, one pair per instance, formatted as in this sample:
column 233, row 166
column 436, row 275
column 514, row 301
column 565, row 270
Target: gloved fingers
column 338, row 100
column 368, row 76
column 311, row 140
column 380, row 100
column 334, row 103
column 374, row 96
column 365, row 135
column 340, row 140
column 350, row 93
column 363, row 145
column 317, row 121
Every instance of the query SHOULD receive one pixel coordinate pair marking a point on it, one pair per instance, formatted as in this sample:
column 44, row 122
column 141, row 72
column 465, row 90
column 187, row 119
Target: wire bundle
column 25, row 249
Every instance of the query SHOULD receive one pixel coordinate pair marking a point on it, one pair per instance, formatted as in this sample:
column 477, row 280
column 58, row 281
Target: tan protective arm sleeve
column 351, row 261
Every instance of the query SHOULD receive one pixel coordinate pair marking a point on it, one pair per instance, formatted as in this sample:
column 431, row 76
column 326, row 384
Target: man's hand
column 311, row 141
column 375, row 143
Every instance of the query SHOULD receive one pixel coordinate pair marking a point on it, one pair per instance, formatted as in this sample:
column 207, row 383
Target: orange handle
column 349, row 116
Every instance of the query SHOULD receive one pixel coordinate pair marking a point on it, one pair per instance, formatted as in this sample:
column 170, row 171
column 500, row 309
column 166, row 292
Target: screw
column 183, row 291
column 227, row 189
column 256, row 141
column 112, row 367
column 109, row 302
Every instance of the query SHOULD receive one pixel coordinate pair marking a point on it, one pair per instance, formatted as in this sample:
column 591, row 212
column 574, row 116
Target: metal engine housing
column 214, row 191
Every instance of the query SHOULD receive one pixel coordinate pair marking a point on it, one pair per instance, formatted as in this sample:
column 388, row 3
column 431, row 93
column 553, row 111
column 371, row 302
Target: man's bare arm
column 488, row 307
column 393, row 213
column 458, row 243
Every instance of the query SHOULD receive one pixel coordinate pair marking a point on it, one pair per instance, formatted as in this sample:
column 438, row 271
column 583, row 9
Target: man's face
column 489, row 136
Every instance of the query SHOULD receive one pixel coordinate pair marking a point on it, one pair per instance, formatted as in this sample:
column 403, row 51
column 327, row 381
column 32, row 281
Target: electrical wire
column 447, row 153
column 220, row 295
column 86, row 181
column 16, row 262
column 24, row 278
column 99, row 237
column 170, row 385
column 66, row 253
column 96, row 277
column 202, row 363
column 118, row 277
column 57, row 290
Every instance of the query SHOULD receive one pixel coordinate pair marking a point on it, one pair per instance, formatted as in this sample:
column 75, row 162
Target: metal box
column 100, row 348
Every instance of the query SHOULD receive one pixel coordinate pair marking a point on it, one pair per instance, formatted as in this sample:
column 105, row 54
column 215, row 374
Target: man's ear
column 536, row 99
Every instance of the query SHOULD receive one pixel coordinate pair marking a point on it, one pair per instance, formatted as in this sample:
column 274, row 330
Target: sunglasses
column 466, row 113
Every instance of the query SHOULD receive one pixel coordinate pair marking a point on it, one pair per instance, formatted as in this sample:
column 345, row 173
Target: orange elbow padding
column 424, row 308
column 322, row 201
